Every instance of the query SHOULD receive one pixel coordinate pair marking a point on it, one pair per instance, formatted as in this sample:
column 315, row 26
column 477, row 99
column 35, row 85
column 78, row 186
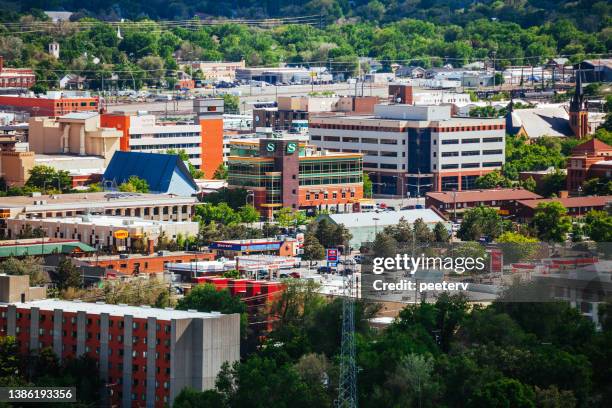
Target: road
column 248, row 95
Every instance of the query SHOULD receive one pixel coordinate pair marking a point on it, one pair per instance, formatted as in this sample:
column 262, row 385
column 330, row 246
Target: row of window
column 166, row 146
column 164, row 135
column 469, row 165
column 470, row 153
column 404, row 129
column 317, row 196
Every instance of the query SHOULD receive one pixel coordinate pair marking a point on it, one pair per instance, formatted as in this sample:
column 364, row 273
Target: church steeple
column 578, row 115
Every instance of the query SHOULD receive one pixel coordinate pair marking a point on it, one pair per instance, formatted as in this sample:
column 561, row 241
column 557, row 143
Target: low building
column 147, row 206
column 138, row 264
column 72, row 81
column 596, row 70
column 215, row 71
column 364, row 226
column 544, row 120
column 457, row 202
column 288, row 173
column 145, row 356
column 16, row 288
column 524, row 210
column 270, row 246
column 591, row 159
column 102, row 230
column 16, row 77
column 202, row 142
column 42, row 247
column 405, row 94
column 409, row 150
column 274, row 75
column 53, row 103
column 164, row 173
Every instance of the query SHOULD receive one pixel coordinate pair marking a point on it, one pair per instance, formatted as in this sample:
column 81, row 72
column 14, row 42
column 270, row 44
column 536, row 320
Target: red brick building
column 146, row 356
column 16, row 77
column 524, row 210
column 591, row 159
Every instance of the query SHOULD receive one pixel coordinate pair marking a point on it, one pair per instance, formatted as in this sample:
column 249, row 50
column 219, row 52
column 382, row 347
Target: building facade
column 215, row 70
column 203, row 141
column 146, row 356
column 53, row 103
column 409, row 150
column 591, row 159
column 287, row 173
column 16, row 77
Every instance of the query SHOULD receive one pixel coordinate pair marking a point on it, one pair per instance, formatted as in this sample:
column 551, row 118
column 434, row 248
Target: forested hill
column 588, row 15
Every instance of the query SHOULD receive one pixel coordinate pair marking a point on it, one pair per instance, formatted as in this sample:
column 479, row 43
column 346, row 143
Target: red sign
column 332, row 255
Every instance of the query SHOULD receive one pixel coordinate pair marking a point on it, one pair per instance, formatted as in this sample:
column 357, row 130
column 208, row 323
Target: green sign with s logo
column 291, row 147
column 271, row 147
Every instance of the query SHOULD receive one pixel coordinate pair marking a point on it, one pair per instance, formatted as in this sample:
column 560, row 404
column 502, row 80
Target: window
column 449, row 166
column 496, row 151
column 474, row 140
column 470, row 165
column 492, row 164
column 470, row 153
column 492, row 139
column 450, row 141
column 449, row 154
column 388, row 166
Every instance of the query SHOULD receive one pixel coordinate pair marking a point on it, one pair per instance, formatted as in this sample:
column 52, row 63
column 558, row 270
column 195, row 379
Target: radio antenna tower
column 347, row 386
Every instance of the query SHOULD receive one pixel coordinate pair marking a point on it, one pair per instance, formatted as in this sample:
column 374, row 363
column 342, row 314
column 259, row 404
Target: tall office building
column 409, row 150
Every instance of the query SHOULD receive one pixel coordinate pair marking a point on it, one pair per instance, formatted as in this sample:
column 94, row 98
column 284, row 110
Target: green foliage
column 493, row 179
column 287, row 217
column 48, row 180
column 505, row 392
column 540, row 154
column 597, row 186
column 28, row 265
column 221, row 172
column 552, row 183
column 480, row 221
column 313, row 250
column 330, row 235
column 134, row 184
column 67, row 275
column 231, row 103
column 367, row 185
column 551, row 222
column 517, row 247
column 598, row 225
column 235, row 198
column 193, row 170
column 224, row 214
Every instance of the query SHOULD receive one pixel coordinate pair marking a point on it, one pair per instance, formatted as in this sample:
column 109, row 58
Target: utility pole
column 347, row 386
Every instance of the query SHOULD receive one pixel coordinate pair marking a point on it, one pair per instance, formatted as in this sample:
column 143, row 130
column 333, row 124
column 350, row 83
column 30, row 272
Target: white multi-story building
column 410, row 150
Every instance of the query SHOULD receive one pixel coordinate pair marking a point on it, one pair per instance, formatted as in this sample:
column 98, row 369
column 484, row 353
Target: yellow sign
column 121, row 234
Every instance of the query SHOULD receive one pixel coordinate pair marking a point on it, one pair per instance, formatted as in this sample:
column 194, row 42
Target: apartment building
column 410, row 150
column 289, row 173
column 202, row 141
column 16, row 77
column 146, row 356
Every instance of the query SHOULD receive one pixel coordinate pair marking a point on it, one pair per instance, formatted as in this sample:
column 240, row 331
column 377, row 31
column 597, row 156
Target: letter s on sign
column 270, row 147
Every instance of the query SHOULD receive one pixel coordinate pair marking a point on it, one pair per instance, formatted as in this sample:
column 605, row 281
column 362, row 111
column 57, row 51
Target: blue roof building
column 165, row 173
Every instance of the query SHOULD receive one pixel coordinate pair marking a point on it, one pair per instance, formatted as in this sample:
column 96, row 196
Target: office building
column 53, row 103
column 203, row 141
column 146, row 356
column 16, row 77
column 288, row 173
column 410, row 150
column 215, row 71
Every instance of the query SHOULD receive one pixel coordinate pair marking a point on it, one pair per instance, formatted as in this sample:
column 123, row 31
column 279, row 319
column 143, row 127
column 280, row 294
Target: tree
column 598, row 225
column 231, row 103
column 385, row 245
column 9, row 357
column 28, row 265
column 313, row 250
column 47, row 178
column 413, row 380
column 221, row 213
column 68, row 276
column 597, row 186
column 221, row 173
column 248, row 214
column 134, row 184
column 552, row 183
column 506, row 392
column 193, row 170
column 529, row 184
column 480, row 221
column 492, row 180
column 192, row 398
column 367, row 185
column 441, row 233
column 551, row 222
column 287, row 217
column 517, row 247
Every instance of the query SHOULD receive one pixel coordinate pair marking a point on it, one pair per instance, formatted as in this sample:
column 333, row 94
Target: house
column 72, row 81
column 524, row 210
column 410, row 72
column 164, row 173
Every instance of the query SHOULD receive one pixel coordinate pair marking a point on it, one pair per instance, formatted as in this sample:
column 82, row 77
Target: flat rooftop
column 111, row 221
column 483, row 195
column 569, row 202
column 93, row 200
column 114, row 310
column 372, row 219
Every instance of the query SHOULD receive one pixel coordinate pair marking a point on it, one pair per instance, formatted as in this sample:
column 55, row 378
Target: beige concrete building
column 77, row 133
column 100, row 229
column 16, row 288
column 215, row 71
column 163, row 207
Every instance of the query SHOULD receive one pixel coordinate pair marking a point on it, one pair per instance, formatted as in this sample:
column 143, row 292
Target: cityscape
column 249, row 204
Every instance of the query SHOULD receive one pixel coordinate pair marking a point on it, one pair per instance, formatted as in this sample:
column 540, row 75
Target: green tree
column 441, row 233
column 367, row 186
column 313, row 250
column 506, row 392
column 193, row 170
column 552, row 183
column 480, row 221
column 384, row 245
column 231, row 103
column 9, row 357
column 28, row 265
column 47, row 178
column 192, row 398
column 221, row 173
column 598, row 225
column 551, row 222
column 492, row 180
column 134, row 184
column 248, row 214
column 517, row 247
column 67, row 275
